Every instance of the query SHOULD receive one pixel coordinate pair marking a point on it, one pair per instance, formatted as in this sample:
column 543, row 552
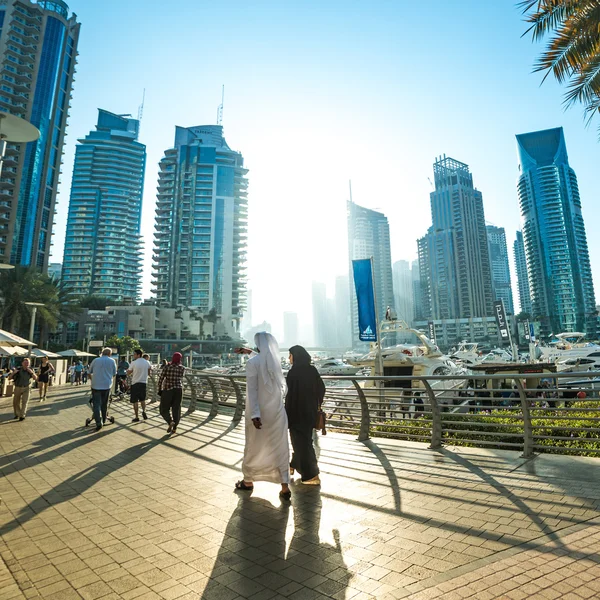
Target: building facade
column 103, row 247
column 454, row 260
column 38, row 52
column 403, row 291
column 500, row 267
column 451, row 332
column 522, row 277
column 369, row 236
column 201, row 226
column 343, row 322
column 291, row 330
column 556, row 250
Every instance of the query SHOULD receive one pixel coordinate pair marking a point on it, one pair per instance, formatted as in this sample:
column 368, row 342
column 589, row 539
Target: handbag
column 320, row 423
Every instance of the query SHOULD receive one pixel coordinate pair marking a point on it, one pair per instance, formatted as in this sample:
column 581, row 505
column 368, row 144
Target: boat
column 470, row 353
column 336, row 366
column 568, row 346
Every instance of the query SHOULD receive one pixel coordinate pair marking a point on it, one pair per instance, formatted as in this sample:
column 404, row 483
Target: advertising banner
column 363, row 283
column 431, row 325
column 501, row 319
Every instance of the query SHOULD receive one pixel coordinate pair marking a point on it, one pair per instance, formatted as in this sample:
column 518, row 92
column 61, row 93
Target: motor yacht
column 336, row 366
column 567, row 346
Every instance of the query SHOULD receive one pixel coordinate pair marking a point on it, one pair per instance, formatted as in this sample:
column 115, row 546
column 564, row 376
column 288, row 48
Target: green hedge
column 476, row 428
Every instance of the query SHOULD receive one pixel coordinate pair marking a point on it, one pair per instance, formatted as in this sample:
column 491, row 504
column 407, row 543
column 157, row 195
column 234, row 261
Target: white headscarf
column 270, row 363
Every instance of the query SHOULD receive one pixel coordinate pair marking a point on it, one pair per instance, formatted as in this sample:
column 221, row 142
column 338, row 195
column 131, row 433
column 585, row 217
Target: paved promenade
column 132, row 513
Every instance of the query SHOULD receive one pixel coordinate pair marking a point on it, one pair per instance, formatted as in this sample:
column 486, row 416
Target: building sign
column 363, row 283
column 526, row 328
column 501, row 319
column 531, row 333
column 431, row 326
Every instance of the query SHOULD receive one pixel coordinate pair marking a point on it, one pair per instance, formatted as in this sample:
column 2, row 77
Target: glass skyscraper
column 369, row 235
column 103, row 248
column 522, row 278
column 454, row 261
column 500, row 267
column 558, row 263
column 201, row 225
column 38, row 50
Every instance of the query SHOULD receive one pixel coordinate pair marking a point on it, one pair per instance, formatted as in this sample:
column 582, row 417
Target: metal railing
column 547, row 412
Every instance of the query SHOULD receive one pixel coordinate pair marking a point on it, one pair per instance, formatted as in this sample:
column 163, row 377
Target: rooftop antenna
column 350, row 186
column 431, row 183
column 220, row 109
column 141, row 108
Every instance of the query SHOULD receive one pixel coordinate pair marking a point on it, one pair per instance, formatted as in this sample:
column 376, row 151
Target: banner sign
column 501, row 318
column 363, row 283
column 431, row 325
column 531, row 333
column 526, row 328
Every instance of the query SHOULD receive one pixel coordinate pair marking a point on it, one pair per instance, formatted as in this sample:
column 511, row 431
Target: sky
column 318, row 94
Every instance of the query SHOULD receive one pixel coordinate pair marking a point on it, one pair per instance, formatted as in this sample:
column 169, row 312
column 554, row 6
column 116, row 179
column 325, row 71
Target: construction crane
column 141, row 108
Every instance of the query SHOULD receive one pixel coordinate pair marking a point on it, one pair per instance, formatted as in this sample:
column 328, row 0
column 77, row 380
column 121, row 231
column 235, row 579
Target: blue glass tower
column 558, row 262
column 522, row 277
column 38, row 50
column 201, row 226
column 103, row 253
column 500, row 268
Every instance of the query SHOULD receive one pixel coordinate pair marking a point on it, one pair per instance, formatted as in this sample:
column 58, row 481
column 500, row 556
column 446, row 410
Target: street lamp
column 34, row 307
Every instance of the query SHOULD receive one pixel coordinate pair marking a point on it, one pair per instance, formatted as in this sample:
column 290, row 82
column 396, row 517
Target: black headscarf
column 306, row 390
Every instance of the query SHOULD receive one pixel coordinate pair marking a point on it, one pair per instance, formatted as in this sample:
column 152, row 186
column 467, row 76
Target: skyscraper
column 342, row 312
column 320, row 316
column 558, row 263
column 38, row 50
column 417, row 292
column 201, row 225
column 454, row 260
column 290, row 329
column 103, row 248
column 369, row 235
column 500, row 267
column 522, row 278
column 403, row 291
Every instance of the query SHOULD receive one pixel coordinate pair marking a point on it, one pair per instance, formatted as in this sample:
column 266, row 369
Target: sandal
column 241, row 485
column 285, row 495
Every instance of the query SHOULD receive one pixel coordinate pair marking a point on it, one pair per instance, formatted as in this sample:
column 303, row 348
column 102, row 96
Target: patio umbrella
column 39, row 353
column 12, row 351
column 75, row 353
column 10, row 339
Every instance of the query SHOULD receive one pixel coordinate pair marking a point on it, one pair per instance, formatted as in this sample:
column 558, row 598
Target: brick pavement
column 131, row 513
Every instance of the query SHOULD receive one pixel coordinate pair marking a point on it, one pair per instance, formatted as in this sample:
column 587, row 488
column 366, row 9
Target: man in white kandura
column 266, row 453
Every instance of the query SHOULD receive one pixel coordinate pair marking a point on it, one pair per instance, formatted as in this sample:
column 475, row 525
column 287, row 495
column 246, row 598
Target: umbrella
column 75, row 353
column 12, row 351
column 10, row 339
column 39, row 353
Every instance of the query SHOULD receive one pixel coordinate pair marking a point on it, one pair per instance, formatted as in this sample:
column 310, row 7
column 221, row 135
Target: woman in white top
column 266, row 453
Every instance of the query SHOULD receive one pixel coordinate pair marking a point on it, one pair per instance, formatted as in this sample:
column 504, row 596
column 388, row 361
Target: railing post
column 239, row 405
column 436, row 418
column 154, row 389
column 214, row 409
column 191, row 383
column 365, row 417
column 527, row 428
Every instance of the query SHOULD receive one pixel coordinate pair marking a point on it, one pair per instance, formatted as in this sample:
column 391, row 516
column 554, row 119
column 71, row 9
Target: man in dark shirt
column 22, row 377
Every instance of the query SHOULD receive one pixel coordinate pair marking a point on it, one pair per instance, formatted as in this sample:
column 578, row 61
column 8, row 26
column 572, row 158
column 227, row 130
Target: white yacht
column 336, row 366
column 469, row 353
column 567, row 346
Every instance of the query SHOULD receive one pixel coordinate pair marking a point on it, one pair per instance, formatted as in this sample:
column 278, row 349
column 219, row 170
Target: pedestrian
column 78, row 372
column 72, row 374
column 84, row 374
column 102, row 371
column 305, row 393
column 170, row 388
column 45, row 370
column 121, row 373
column 139, row 370
column 22, row 377
column 266, row 452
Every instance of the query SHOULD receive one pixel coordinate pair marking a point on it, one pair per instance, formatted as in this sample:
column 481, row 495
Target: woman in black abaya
column 306, row 391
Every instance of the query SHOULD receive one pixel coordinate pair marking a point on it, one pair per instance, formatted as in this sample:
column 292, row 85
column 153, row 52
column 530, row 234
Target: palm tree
column 27, row 284
column 572, row 53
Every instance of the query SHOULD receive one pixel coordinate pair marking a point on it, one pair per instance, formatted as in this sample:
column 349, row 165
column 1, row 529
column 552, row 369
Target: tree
column 523, row 316
column 27, row 284
column 93, row 302
column 124, row 345
column 572, row 53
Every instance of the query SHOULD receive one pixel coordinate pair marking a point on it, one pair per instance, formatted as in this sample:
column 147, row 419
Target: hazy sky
column 320, row 92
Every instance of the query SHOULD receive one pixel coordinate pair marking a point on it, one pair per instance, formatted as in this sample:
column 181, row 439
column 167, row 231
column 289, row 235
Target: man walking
column 139, row 370
column 22, row 378
column 102, row 370
column 121, row 373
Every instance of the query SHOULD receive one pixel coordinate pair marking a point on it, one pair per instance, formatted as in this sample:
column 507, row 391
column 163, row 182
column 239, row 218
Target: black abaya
column 306, row 391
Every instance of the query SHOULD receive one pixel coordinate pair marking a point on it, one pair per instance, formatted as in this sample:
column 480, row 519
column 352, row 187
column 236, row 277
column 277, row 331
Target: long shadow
column 18, row 460
column 77, row 484
column 389, row 471
column 255, row 558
